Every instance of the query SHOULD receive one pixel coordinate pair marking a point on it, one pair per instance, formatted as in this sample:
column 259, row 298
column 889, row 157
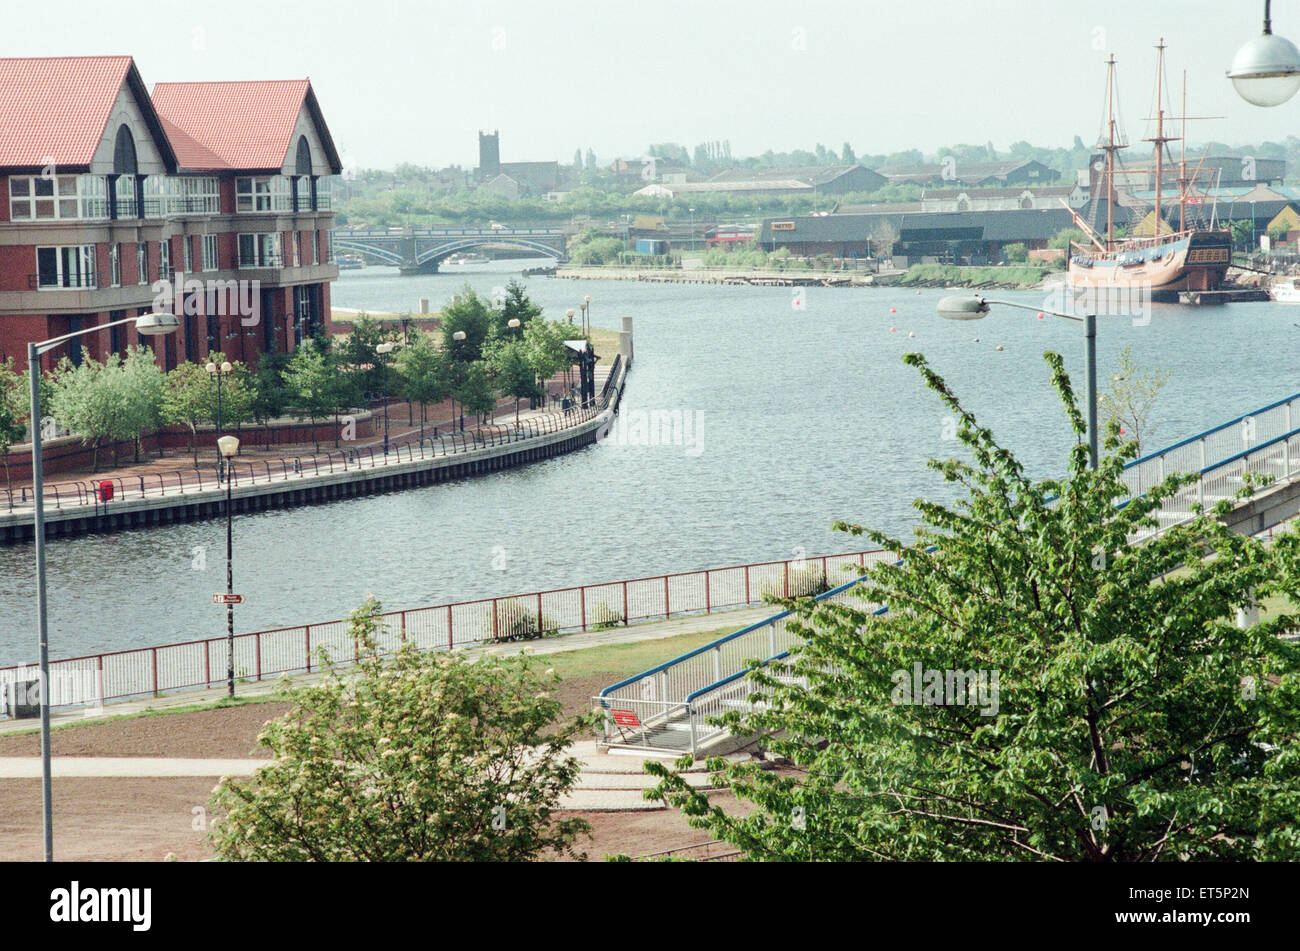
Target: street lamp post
column 219, row 372
column 384, row 349
column 229, row 446
column 459, row 337
column 151, row 324
column 1266, row 71
column 975, row 307
column 586, row 315
column 567, row 379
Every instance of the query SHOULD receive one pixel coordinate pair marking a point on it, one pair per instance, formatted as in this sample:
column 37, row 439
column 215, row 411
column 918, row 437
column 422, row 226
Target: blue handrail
column 736, row 676
column 1209, row 432
column 722, row 640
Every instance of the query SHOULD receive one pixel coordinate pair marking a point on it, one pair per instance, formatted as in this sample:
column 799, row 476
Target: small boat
column 470, row 258
column 1285, row 292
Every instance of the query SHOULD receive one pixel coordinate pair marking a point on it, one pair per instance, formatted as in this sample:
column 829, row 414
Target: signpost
column 224, row 598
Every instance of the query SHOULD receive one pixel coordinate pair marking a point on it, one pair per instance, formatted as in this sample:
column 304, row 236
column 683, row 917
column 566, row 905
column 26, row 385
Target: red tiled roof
column 55, row 109
column 246, row 125
column 192, row 155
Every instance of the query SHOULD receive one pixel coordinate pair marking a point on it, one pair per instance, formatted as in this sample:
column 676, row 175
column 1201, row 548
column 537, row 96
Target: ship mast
column 1160, row 138
column 1110, row 144
column 1182, row 167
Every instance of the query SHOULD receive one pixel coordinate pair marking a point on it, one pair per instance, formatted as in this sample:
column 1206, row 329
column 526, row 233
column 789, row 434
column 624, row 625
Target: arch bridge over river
column 421, row 250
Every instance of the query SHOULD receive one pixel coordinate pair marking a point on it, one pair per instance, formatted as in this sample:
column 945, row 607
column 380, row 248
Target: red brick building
column 207, row 200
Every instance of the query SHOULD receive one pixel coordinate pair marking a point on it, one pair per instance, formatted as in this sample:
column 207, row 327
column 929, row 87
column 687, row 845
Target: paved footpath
column 607, row 783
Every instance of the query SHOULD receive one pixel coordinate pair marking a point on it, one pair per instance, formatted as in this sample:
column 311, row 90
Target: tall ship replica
column 1166, row 261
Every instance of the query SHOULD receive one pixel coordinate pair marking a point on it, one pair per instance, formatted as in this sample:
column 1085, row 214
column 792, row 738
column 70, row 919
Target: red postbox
column 106, row 490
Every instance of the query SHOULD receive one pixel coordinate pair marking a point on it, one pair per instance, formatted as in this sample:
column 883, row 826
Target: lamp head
column 962, row 307
column 154, row 324
column 1266, row 71
column 458, row 335
column 228, row 446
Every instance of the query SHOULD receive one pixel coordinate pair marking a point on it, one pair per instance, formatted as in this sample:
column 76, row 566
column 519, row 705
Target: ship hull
column 1192, row 261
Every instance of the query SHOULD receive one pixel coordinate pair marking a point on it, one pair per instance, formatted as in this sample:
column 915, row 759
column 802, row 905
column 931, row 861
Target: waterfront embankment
column 918, row 276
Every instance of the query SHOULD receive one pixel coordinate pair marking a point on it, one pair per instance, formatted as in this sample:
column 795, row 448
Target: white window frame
column 194, row 195
column 126, row 203
column 70, row 198
column 115, row 265
column 83, row 255
column 187, row 258
column 258, row 194
column 315, row 248
column 265, row 250
column 165, row 259
column 142, row 262
column 211, row 254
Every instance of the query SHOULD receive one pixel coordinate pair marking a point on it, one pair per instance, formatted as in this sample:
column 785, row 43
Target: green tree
column 359, row 355
column 1131, row 718
column 544, row 346
column 515, row 376
column 470, row 314
column 516, row 306
column 270, row 394
column 190, row 398
column 14, row 409
column 137, row 385
column 313, row 385
column 1242, row 233
column 82, row 401
column 1015, row 253
column 1132, row 395
column 422, row 373
column 424, row 757
column 475, row 391
column 1063, row 238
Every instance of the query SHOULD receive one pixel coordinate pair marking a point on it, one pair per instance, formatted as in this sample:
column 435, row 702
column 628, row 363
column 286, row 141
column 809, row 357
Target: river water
column 802, row 416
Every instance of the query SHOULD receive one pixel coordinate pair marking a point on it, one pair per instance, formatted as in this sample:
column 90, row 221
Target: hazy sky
column 414, row 80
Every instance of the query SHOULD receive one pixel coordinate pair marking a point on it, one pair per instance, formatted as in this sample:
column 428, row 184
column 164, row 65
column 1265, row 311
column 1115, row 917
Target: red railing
column 261, row 471
column 196, row 664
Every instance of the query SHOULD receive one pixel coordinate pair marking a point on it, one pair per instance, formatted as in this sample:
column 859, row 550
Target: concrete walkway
column 606, row 783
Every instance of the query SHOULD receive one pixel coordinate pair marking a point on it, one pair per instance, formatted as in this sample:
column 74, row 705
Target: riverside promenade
column 154, row 499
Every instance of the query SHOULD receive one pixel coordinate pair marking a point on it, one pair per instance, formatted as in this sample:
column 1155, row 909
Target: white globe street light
column 1266, row 71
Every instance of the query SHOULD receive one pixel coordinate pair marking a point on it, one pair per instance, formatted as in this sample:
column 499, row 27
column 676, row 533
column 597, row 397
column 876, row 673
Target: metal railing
column 1261, row 443
column 263, row 471
column 684, row 691
column 260, row 655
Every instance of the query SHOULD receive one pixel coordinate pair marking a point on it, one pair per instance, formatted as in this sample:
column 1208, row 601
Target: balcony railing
column 66, row 282
column 260, row 261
